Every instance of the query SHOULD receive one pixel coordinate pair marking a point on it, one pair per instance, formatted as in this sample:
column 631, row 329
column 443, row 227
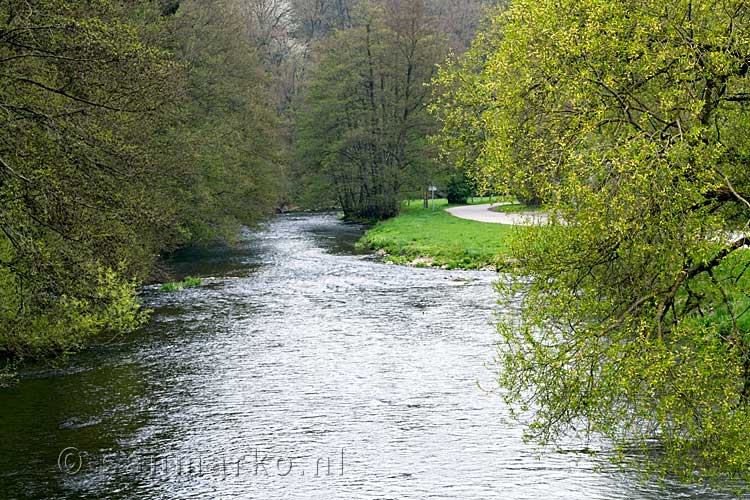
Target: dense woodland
column 129, row 130
column 132, row 129
column 362, row 124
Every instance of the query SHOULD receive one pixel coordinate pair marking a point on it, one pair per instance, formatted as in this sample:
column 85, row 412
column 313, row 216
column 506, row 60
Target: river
column 301, row 369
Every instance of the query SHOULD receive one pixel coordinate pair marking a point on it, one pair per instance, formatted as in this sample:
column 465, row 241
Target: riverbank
column 422, row 238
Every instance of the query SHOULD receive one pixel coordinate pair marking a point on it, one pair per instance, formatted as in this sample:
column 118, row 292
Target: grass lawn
column 516, row 208
column 423, row 238
column 733, row 274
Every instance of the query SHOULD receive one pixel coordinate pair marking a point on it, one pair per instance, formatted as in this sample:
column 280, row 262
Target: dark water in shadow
column 300, row 370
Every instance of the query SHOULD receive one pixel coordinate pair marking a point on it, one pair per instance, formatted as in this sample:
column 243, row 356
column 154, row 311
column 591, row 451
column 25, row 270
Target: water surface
column 300, row 370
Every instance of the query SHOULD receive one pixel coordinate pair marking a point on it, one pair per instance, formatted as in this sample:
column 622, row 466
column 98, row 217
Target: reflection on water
column 300, row 370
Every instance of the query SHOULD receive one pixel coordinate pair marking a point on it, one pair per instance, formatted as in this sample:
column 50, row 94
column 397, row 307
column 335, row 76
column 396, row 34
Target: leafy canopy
column 363, row 124
column 125, row 130
column 628, row 120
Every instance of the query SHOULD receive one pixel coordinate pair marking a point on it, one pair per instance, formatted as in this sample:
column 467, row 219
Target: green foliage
column 514, row 208
column 424, row 238
column 226, row 148
column 126, row 132
column 628, row 120
column 459, row 189
column 179, row 285
column 76, row 218
column 362, row 125
column 62, row 325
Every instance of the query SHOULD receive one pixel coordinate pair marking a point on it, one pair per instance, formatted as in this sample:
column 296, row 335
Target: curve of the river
column 299, row 370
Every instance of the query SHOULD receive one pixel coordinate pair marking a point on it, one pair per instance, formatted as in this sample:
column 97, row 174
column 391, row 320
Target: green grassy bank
column 516, row 208
column 422, row 238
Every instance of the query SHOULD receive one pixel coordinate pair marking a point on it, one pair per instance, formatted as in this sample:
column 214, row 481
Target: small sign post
column 433, row 189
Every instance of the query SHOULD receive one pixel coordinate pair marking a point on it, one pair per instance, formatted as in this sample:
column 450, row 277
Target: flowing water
column 299, row 370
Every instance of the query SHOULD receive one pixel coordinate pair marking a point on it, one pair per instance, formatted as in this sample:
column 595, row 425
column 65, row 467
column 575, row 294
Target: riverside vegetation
column 421, row 237
column 188, row 282
column 126, row 133
column 628, row 121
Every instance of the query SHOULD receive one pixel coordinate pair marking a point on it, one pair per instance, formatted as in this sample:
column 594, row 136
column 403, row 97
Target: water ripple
column 300, row 370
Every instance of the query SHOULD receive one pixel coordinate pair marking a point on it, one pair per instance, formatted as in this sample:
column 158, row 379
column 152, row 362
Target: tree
column 459, row 188
column 363, row 122
column 628, row 120
column 74, row 83
column 460, row 20
column 317, row 18
column 227, row 143
column 124, row 134
column 443, row 25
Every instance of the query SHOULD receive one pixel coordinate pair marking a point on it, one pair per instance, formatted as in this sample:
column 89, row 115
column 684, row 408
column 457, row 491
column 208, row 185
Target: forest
column 128, row 131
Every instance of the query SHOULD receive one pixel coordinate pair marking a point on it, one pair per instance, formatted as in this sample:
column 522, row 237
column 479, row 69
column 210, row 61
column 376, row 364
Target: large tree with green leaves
column 76, row 216
column 363, row 123
column 225, row 148
column 126, row 130
column 629, row 120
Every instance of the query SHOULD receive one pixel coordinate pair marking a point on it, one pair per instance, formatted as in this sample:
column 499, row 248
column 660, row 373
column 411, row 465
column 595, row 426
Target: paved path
column 482, row 213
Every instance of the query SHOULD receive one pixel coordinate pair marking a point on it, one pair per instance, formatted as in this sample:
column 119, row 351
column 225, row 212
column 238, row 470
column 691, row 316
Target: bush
column 459, row 189
column 186, row 283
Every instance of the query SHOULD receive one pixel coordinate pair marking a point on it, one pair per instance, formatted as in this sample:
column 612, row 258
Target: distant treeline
column 362, row 129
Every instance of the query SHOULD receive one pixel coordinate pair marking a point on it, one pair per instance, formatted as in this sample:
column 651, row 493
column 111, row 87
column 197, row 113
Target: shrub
column 459, row 189
column 179, row 285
